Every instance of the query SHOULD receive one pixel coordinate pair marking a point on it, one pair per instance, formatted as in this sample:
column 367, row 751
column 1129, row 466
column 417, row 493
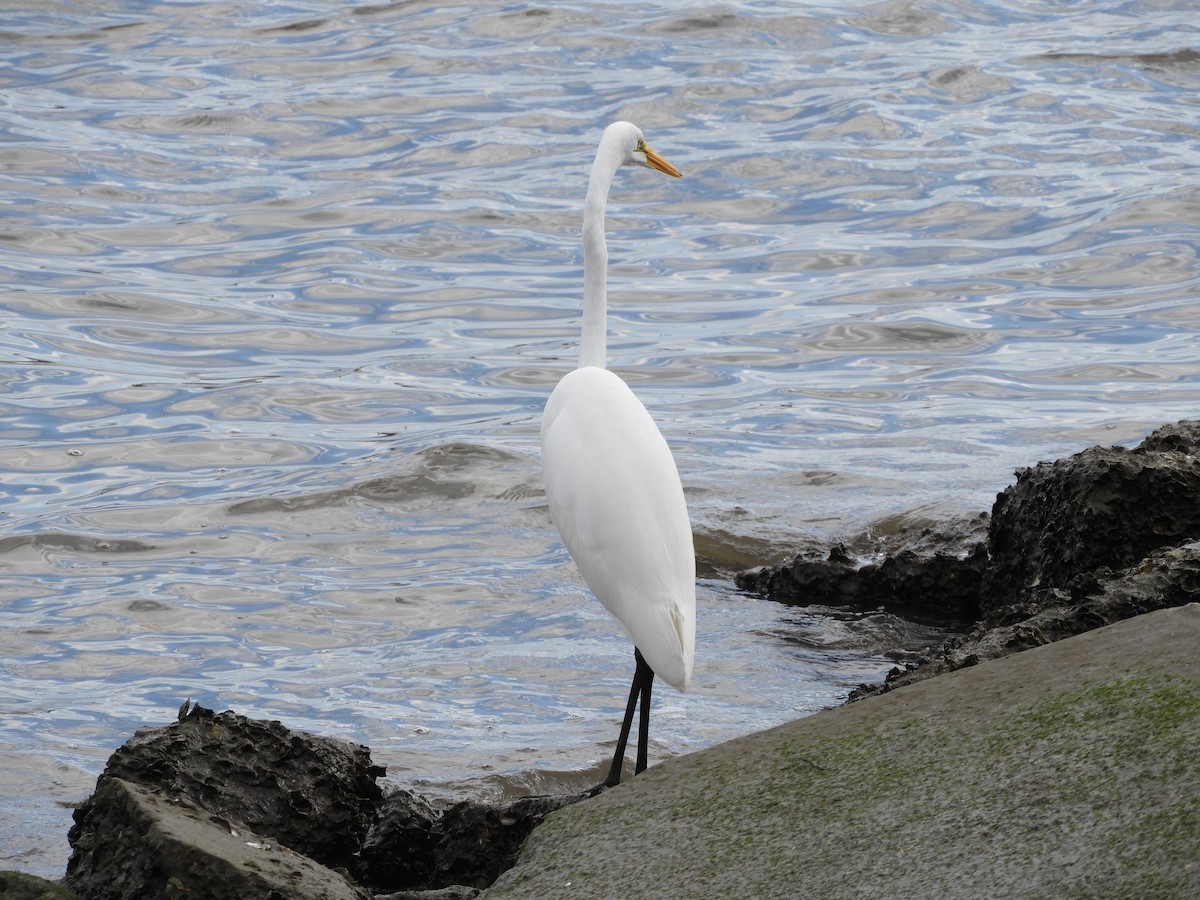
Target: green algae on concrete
column 1069, row 770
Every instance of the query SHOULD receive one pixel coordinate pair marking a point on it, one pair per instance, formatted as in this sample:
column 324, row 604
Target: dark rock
column 1106, row 506
column 20, row 886
column 171, row 798
column 941, row 588
column 260, row 774
column 480, row 841
column 1074, row 544
column 456, row 892
column 399, row 851
column 139, row 842
column 1166, row 578
column 413, row 848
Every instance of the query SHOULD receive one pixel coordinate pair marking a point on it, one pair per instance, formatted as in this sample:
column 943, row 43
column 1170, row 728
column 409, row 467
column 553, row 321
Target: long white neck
column 593, row 343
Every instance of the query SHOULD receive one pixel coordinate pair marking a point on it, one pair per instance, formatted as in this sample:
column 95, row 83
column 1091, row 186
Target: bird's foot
column 597, row 789
column 613, row 779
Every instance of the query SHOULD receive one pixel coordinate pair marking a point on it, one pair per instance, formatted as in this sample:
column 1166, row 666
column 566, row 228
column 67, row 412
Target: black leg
column 643, row 677
column 644, row 724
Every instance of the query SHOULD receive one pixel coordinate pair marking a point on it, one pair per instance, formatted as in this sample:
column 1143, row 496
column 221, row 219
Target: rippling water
column 286, row 286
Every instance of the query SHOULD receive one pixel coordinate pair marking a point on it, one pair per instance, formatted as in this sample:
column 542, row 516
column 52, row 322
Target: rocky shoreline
column 216, row 805
column 1075, row 544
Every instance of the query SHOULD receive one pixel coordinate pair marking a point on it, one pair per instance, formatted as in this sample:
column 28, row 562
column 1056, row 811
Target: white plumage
column 615, row 496
column 611, row 482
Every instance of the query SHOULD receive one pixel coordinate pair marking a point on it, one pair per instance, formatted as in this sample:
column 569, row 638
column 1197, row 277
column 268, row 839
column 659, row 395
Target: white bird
column 611, row 483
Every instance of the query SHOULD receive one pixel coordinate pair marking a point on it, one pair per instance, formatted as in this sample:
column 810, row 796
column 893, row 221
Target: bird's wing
column 615, row 495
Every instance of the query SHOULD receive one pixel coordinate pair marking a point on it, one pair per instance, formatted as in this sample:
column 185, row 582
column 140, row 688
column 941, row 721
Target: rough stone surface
column 307, row 795
column 270, row 779
column 142, row 843
column 1163, row 579
column 20, row 886
column 1074, row 544
column 480, row 841
column 456, row 892
column 1066, row 771
column 942, row 587
column 399, row 850
column 414, row 848
column 1105, row 507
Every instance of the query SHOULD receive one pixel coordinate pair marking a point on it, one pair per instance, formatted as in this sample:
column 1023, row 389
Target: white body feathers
column 611, row 482
column 615, row 495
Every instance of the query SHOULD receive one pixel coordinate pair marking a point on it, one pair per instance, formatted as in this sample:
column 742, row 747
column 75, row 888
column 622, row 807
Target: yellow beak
column 657, row 162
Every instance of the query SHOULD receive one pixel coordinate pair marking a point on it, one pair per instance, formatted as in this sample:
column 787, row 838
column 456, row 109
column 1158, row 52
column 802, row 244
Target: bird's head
column 634, row 149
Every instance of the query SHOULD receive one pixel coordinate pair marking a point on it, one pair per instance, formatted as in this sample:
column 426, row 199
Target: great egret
column 611, row 482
